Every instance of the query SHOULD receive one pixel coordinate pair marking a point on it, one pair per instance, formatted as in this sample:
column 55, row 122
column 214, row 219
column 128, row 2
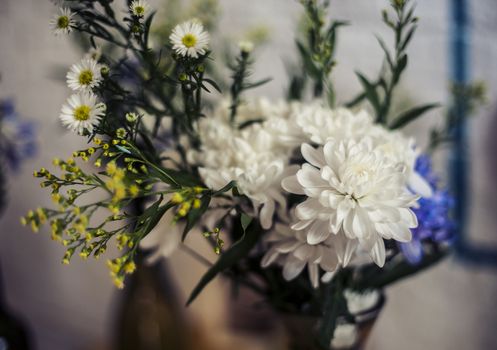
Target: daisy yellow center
column 139, row 10
column 85, row 77
column 189, row 40
column 82, row 113
column 63, row 22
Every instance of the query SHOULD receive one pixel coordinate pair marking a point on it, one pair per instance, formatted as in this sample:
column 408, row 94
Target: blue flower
column 434, row 222
column 17, row 137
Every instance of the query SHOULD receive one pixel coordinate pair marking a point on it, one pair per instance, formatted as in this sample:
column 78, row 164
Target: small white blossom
column 82, row 112
column 139, row 8
column 190, row 39
column 95, row 53
column 84, row 76
column 246, row 46
column 361, row 302
column 63, row 22
column 345, row 336
column 131, row 117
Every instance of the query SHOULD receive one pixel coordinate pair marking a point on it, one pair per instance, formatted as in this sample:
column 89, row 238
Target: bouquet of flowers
column 313, row 204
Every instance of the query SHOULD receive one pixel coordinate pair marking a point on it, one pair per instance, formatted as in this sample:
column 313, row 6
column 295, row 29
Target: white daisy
column 63, row 22
column 139, row 8
column 84, row 76
column 82, row 112
column 354, row 189
column 190, row 39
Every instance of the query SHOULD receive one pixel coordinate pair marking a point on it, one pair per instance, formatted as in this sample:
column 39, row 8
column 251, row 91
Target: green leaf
column 309, row 65
column 194, row 215
column 247, row 123
column 156, row 216
column 407, row 38
column 245, row 221
column 184, row 178
column 370, row 91
column 374, row 277
column 412, row 114
column 335, row 305
column 387, row 52
column 164, row 176
column 123, row 149
column 356, row 100
column 226, row 188
column 401, row 65
column 147, row 25
column 214, row 84
column 257, row 83
column 233, row 255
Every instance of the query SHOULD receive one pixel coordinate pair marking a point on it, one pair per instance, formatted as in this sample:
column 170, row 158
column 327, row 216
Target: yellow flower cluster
column 35, row 219
column 218, row 242
column 125, row 176
column 119, row 268
column 186, row 199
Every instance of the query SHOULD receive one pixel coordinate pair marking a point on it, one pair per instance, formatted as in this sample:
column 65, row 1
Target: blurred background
column 451, row 306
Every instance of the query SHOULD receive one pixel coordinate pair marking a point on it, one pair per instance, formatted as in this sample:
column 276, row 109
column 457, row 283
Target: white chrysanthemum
column 84, row 75
column 139, row 8
column 251, row 156
column 190, row 39
column 352, row 187
column 290, row 249
column 63, row 22
column 82, row 112
column 403, row 150
column 277, row 118
column 320, row 123
column 247, row 159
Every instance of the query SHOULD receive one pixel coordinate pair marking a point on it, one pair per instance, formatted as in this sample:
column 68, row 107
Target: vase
column 301, row 330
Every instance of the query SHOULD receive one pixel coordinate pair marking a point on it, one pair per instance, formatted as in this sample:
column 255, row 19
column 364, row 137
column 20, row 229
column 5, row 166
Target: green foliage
column 238, row 251
column 408, row 116
column 240, row 73
column 466, row 99
column 335, row 306
column 374, row 277
column 379, row 93
column 317, row 51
